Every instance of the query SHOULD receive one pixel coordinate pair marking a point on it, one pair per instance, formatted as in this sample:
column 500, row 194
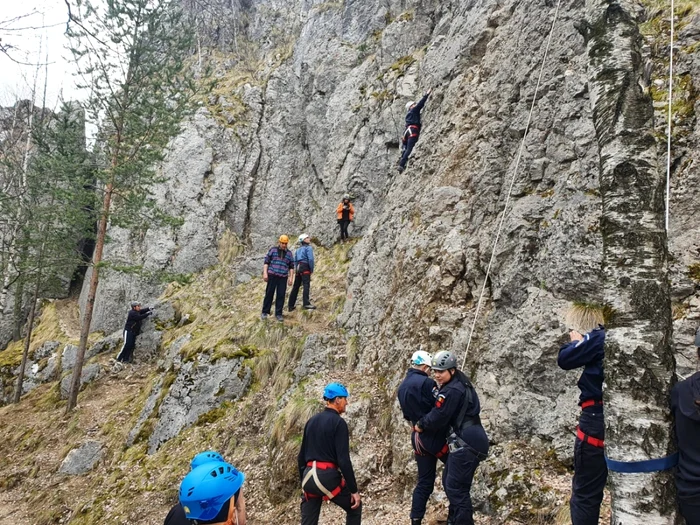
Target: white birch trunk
column 639, row 365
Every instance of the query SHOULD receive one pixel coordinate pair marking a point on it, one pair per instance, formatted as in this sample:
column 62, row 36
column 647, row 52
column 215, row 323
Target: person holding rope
column 587, row 350
column 685, row 404
column 417, row 395
column 411, row 133
column 325, row 469
column 456, row 412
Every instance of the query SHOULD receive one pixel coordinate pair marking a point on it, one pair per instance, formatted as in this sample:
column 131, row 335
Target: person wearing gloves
column 417, row 395
column 304, row 262
column 132, row 328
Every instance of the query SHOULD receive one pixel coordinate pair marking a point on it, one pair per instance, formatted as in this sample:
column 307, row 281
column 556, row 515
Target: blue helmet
column 206, row 489
column 205, row 457
column 334, row 390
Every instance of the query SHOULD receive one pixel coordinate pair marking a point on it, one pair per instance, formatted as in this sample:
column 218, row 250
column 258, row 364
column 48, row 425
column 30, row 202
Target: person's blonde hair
column 584, row 317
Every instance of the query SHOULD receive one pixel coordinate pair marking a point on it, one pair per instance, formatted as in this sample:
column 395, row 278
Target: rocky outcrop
column 82, row 459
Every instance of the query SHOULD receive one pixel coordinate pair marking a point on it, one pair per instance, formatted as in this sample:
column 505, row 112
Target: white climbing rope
column 668, row 129
column 512, row 182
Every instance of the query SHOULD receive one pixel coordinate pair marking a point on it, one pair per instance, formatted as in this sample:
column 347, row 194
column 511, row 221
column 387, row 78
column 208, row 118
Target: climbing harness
column 420, row 449
column 512, row 182
column 589, row 439
column 668, row 130
column 591, row 403
column 313, row 474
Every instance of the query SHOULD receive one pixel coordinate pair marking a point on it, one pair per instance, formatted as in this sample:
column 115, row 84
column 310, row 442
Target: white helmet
column 409, row 104
column 421, row 357
column 303, row 237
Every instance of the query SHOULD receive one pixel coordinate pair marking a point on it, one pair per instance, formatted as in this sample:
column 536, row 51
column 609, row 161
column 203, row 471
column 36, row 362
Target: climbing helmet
column 206, row 489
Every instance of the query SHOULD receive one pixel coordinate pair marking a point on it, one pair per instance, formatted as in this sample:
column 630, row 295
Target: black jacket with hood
column 685, row 403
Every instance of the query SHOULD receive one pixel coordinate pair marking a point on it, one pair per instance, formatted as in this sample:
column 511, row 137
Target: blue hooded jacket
column 587, row 353
column 305, row 255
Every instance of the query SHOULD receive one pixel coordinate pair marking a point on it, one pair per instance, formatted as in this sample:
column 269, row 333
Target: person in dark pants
column 132, row 328
column 685, row 404
column 456, row 412
column 325, row 469
column 278, row 273
column 345, row 213
column 212, row 493
column 417, row 395
column 590, row 470
column 304, row 259
column 411, row 133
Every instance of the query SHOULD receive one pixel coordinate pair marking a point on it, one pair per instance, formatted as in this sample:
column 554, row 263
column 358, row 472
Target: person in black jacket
column 411, row 133
column 456, row 412
column 325, row 469
column 132, row 328
column 587, row 350
column 685, row 404
column 417, row 395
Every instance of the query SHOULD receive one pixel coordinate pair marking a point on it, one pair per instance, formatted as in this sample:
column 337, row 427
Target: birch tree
column 639, row 365
column 132, row 56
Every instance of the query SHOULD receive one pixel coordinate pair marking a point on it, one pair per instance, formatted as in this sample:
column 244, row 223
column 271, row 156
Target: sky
column 32, row 43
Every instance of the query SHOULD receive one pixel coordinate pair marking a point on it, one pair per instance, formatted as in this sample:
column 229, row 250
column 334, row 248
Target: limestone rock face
column 327, row 119
column 82, row 459
column 89, row 374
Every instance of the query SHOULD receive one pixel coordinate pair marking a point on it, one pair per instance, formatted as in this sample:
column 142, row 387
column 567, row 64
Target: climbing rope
column 668, row 129
column 512, row 182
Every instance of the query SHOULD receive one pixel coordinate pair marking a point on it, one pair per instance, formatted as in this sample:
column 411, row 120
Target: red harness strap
column 588, row 439
column 590, row 403
column 334, row 492
column 444, row 450
column 323, row 465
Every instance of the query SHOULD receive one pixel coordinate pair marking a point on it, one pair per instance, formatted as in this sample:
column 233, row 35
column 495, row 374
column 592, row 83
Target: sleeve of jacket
column 290, row 259
column 446, row 405
column 577, row 353
column 339, row 211
column 268, row 257
column 310, row 258
column 342, row 449
column 421, row 103
column 429, row 389
column 352, row 211
column 301, row 458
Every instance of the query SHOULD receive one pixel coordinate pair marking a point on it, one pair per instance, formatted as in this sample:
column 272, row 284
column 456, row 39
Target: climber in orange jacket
column 346, row 213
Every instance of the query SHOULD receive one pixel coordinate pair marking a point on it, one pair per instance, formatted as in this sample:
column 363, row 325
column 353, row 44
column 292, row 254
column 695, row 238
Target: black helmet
column 444, row 360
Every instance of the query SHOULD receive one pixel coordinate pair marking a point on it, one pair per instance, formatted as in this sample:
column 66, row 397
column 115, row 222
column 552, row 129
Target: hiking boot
column 279, row 318
column 416, row 521
column 263, row 316
column 292, row 308
column 309, row 307
column 401, row 169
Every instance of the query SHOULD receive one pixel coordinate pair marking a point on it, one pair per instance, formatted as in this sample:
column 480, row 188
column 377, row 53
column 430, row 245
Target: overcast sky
column 32, row 46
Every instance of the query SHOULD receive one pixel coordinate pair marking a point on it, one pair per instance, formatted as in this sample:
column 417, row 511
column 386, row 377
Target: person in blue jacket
column 411, row 133
column 304, row 261
column 587, row 350
column 417, row 395
column 456, row 412
column 685, row 404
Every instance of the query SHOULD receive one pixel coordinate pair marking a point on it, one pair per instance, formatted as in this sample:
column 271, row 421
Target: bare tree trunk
column 90, row 303
column 639, row 365
column 28, row 340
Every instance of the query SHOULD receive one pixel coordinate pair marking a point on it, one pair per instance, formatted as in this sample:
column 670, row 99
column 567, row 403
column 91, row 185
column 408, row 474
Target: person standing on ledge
column 345, row 213
column 587, row 350
column 304, row 258
column 412, row 132
column 278, row 273
column 132, row 328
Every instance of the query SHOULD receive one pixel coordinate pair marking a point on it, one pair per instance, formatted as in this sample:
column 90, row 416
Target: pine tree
column 132, row 55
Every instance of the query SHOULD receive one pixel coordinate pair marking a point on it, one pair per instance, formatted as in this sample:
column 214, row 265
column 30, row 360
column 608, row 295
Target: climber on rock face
column 278, row 273
column 304, row 259
column 685, row 404
column 345, row 213
column 456, row 412
column 211, row 493
column 325, row 469
column 417, row 395
column 132, row 328
column 411, row 133
column 587, row 350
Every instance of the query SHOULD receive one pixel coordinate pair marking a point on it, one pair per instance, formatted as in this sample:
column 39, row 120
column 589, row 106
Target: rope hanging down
column 512, row 182
column 668, row 129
